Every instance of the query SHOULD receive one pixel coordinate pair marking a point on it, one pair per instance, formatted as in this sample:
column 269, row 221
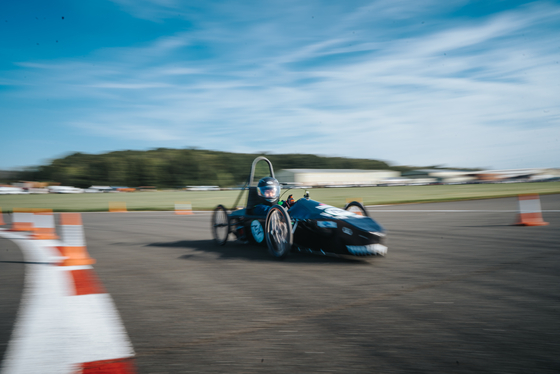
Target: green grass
column 206, row 200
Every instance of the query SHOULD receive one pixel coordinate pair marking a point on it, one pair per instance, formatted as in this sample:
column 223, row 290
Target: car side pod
column 530, row 211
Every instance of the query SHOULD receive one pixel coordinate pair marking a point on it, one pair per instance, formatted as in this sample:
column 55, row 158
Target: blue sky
column 461, row 83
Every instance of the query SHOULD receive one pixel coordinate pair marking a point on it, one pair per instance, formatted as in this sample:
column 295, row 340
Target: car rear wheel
column 220, row 225
column 278, row 232
column 356, row 208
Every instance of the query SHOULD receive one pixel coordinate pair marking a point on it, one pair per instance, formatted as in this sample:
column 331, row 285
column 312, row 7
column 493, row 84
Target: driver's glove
column 290, row 201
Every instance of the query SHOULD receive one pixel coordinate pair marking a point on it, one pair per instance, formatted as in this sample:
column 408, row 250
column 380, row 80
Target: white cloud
column 129, row 130
column 467, row 92
column 150, row 9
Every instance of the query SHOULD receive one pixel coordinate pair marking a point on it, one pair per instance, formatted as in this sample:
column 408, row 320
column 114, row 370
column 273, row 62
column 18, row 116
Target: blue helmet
column 269, row 189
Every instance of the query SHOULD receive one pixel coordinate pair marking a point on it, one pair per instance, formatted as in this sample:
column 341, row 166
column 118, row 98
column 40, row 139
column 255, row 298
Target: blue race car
column 303, row 225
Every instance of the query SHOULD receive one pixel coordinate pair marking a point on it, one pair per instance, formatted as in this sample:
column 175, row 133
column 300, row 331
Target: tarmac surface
column 460, row 291
column 11, row 287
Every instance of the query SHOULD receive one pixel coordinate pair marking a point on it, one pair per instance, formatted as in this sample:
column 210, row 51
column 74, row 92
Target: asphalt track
column 11, row 288
column 460, row 291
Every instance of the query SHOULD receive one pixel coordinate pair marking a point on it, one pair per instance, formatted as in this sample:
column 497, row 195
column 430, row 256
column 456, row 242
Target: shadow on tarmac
column 510, row 225
column 252, row 252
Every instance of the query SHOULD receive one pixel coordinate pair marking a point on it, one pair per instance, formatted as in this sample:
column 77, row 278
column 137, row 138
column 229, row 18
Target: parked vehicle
column 64, row 189
column 4, row 190
column 99, row 189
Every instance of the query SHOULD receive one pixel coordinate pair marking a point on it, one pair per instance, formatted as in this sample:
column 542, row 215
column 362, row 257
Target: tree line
column 173, row 168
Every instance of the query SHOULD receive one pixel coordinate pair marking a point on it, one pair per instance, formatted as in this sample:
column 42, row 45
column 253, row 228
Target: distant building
column 335, row 177
column 440, row 175
column 484, row 176
column 516, row 174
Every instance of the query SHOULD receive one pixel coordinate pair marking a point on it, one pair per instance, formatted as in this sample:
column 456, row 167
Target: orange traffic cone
column 92, row 311
column 117, row 207
column 2, row 217
column 43, row 224
column 358, row 199
column 67, row 322
column 183, row 208
column 73, row 241
column 530, row 211
column 22, row 219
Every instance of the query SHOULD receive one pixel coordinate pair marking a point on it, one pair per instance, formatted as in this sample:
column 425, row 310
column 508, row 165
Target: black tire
column 357, row 208
column 220, row 225
column 278, row 232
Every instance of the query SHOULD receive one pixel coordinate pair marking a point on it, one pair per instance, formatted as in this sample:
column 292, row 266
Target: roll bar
column 254, row 165
column 251, row 176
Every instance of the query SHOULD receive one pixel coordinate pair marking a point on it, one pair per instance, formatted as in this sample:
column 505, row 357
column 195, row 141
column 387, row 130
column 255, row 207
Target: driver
column 268, row 190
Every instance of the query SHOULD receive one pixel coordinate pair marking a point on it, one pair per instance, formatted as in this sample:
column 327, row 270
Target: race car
column 306, row 226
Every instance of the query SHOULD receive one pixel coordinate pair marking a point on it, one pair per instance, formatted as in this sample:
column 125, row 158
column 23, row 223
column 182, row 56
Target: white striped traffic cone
column 98, row 341
column 22, row 219
column 183, row 208
column 73, row 240
column 43, row 225
column 67, row 323
column 530, row 211
column 91, row 314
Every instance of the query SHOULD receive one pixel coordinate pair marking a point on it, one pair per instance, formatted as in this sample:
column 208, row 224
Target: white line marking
column 35, row 341
column 95, row 330
column 450, row 211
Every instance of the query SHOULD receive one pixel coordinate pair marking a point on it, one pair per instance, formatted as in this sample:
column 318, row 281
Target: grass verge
column 207, row 200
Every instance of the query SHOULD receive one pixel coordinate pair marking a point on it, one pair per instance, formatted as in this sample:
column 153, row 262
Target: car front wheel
column 278, row 232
